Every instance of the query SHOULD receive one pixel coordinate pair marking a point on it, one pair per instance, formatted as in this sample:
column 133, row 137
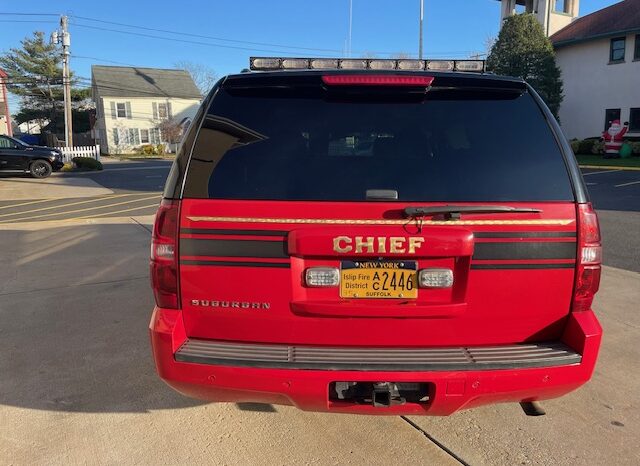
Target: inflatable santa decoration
column 613, row 139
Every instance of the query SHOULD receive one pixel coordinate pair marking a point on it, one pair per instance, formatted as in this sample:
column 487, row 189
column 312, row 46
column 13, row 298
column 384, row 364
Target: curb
column 611, row 167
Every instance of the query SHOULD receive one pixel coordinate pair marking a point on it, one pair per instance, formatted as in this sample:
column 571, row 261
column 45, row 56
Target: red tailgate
column 242, row 278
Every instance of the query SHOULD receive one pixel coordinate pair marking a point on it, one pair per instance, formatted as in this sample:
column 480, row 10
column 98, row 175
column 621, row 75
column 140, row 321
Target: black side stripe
column 283, row 265
column 521, row 266
column 525, row 234
column 233, row 248
column 211, row 231
column 525, row 250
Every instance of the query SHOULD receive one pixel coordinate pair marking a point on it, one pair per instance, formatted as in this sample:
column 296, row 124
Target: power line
column 103, row 60
column 201, row 36
column 185, row 41
column 187, row 34
column 48, row 21
column 4, row 13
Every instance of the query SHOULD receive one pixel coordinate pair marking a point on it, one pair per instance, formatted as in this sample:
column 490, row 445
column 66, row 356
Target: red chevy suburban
column 374, row 236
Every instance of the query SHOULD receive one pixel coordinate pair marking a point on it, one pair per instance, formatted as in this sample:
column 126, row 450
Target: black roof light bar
column 376, row 64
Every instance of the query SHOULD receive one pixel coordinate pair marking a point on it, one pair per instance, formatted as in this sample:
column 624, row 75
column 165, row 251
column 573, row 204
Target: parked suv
column 19, row 157
column 374, row 241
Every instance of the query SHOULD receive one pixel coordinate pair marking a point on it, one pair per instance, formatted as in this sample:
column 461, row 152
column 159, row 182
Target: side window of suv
column 6, row 143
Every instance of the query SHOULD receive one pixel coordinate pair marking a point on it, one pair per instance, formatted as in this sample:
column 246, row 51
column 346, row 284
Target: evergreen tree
column 35, row 74
column 522, row 50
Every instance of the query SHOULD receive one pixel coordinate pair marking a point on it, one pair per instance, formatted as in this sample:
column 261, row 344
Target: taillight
column 164, row 255
column 376, row 80
column 589, row 259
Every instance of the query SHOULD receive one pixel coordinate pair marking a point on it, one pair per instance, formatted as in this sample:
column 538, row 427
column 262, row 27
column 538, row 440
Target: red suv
column 355, row 237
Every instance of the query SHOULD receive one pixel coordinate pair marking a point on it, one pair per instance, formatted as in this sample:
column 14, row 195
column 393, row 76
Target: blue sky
column 453, row 28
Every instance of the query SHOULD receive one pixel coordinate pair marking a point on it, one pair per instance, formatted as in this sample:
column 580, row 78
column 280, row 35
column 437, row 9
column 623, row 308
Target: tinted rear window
column 306, row 144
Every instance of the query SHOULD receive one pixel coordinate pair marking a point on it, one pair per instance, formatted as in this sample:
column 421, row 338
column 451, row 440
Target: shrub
column 598, row 147
column 148, row 149
column 160, row 149
column 635, row 147
column 67, row 167
column 575, row 145
column 87, row 163
column 586, row 146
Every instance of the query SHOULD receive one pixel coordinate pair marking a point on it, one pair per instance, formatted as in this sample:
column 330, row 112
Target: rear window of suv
column 307, row 143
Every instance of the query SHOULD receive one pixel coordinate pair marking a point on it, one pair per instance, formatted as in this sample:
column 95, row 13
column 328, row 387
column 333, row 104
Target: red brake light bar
column 376, row 80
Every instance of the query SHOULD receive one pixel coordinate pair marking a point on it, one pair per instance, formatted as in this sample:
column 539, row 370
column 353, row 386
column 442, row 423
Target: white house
column 132, row 103
column 599, row 56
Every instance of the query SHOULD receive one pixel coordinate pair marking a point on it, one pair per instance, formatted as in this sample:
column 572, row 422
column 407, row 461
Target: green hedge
column 595, row 146
column 87, row 163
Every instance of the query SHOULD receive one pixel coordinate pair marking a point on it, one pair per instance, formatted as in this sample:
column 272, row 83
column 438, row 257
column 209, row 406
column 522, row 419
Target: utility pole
column 64, row 38
column 421, row 20
column 66, row 82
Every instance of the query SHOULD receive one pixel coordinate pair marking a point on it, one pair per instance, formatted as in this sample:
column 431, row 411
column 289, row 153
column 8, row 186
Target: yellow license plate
column 378, row 279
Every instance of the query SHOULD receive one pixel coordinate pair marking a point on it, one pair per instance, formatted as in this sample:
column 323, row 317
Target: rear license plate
column 378, row 279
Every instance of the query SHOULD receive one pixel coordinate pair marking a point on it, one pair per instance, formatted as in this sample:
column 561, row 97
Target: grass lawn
column 633, row 161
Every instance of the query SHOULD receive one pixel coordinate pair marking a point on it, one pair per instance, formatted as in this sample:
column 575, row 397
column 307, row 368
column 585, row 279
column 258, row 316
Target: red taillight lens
column 589, row 259
column 164, row 255
column 376, row 80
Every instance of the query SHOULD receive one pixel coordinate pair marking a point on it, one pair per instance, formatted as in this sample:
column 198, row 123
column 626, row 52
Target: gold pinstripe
column 323, row 221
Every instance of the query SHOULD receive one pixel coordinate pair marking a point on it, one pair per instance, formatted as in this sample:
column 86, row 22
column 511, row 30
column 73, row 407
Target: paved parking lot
column 74, row 306
column 614, row 189
column 75, row 303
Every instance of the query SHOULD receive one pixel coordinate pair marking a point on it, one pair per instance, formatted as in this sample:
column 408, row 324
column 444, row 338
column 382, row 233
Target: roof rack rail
column 377, row 64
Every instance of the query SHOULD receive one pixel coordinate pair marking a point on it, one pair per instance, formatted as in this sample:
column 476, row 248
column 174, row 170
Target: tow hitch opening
column 380, row 394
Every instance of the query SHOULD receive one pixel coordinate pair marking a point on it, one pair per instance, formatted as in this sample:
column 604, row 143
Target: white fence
column 80, row 151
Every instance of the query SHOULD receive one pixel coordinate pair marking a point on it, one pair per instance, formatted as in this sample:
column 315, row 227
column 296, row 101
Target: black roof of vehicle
column 446, row 78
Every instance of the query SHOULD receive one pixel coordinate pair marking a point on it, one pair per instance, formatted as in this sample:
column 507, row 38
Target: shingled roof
column 132, row 81
column 620, row 18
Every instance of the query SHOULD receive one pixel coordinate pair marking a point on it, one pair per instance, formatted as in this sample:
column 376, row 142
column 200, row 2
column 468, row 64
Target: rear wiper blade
column 454, row 211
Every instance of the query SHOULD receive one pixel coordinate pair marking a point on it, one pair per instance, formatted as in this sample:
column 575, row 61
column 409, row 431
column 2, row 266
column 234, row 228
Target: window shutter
column 169, row 112
column 116, row 139
column 135, row 139
column 114, row 115
column 128, row 106
column 155, row 110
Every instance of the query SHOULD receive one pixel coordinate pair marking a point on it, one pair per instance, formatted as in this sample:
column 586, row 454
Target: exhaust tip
column 532, row 408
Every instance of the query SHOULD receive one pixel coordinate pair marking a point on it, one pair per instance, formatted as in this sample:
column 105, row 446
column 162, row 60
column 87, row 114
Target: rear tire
column 40, row 169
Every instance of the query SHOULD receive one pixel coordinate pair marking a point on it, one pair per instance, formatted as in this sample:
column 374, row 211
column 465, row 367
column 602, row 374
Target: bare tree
column 204, row 76
column 172, row 132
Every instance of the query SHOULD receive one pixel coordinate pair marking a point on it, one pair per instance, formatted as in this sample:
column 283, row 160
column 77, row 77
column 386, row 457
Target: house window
column 126, row 136
column 610, row 114
column 144, row 136
column 121, row 109
column 162, row 111
column 154, row 134
column 634, row 120
column 134, row 137
column 617, row 49
column 636, row 53
column 560, row 6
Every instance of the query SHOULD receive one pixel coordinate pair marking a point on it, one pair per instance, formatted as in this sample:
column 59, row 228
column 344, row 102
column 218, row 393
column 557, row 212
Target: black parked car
column 19, row 157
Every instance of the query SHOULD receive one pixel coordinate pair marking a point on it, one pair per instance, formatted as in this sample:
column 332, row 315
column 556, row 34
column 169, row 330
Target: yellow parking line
column 25, row 203
column 155, row 196
column 94, row 199
column 118, row 211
